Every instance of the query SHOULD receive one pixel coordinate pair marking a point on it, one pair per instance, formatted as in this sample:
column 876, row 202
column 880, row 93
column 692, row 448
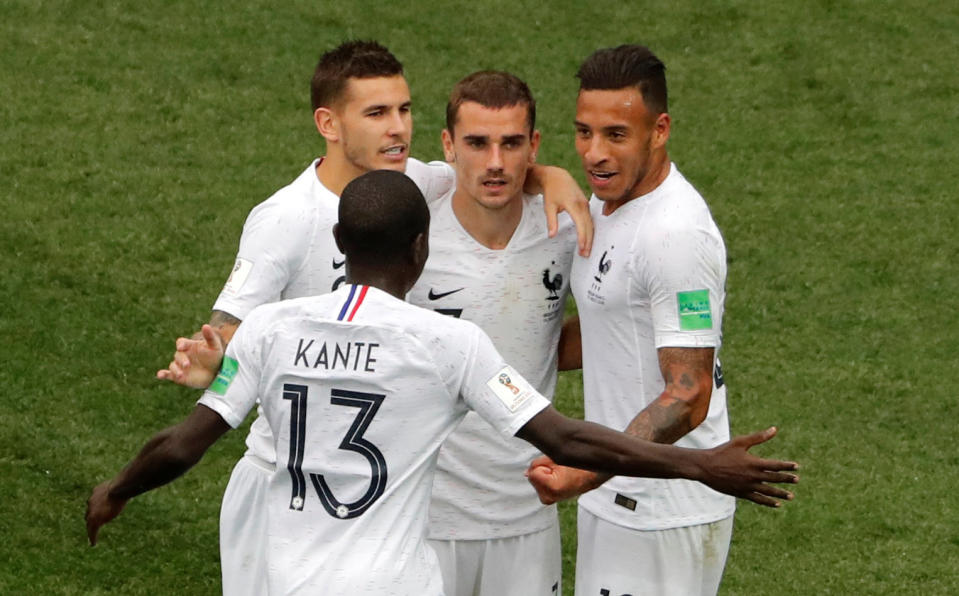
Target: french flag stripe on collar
column 355, row 304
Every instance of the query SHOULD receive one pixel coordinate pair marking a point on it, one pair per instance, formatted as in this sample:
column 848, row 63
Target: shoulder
column 434, row 179
column 676, row 207
column 291, row 200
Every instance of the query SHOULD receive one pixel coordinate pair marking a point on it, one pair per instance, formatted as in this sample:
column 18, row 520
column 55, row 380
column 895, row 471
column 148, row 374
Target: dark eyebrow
column 514, row 138
column 476, row 138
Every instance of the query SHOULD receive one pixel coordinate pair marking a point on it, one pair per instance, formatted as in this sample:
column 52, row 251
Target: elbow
column 699, row 408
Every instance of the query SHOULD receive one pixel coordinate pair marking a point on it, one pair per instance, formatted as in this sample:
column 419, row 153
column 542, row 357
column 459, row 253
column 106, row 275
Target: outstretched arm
column 561, row 193
column 197, row 359
column 681, row 407
column 165, row 457
column 728, row 468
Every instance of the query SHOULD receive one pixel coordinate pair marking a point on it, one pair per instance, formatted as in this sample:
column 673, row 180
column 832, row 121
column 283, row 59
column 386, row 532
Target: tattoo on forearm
column 220, row 318
column 663, row 421
column 687, row 373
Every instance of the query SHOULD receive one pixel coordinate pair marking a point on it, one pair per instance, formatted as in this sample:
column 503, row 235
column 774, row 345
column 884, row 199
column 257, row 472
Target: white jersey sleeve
column 434, row 179
column 683, row 269
column 271, row 252
column 495, row 391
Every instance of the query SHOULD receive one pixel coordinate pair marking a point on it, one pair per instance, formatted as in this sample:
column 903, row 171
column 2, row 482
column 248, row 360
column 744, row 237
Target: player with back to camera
column 362, row 108
column 359, row 389
column 650, row 301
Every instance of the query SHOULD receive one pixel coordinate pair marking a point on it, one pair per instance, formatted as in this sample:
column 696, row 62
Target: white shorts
column 243, row 527
column 527, row 565
column 612, row 560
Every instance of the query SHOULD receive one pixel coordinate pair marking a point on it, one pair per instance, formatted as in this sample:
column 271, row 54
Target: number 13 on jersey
column 368, row 404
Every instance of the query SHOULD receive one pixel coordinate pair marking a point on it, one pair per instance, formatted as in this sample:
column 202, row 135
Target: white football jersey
column 287, row 251
column 516, row 295
column 360, row 389
column 655, row 278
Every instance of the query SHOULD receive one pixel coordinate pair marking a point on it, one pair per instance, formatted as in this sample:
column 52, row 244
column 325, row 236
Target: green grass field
column 134, row 140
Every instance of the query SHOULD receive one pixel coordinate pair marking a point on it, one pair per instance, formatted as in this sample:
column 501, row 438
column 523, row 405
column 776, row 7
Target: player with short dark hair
column 492, row 263
column 359, row 389
column 650, row 300
column 357, row 59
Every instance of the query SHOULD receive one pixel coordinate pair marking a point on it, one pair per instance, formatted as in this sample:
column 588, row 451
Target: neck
column 396, row 284
column 493, row 228
column 335, row 171
column 657, row 173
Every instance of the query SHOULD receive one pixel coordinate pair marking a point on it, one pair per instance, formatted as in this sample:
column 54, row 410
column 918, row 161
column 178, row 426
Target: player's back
column 360, row 389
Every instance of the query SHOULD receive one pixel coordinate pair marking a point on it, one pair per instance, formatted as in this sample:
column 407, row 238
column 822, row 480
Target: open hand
column 731, row 469
column 196, row 361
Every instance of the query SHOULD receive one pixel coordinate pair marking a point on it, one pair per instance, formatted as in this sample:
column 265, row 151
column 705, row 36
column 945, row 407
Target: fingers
column 551, row 221
column 779, row 477
column 183, row 344
column 763, row 500
column 93, row 531
column 771, row 490
column 584, row 228
column 757, row 437
column 777, row 465
column 211, row 337
column 542, row 460
column 540, row 477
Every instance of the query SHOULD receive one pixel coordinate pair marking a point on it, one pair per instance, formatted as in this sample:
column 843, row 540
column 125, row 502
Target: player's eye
column 582, row 133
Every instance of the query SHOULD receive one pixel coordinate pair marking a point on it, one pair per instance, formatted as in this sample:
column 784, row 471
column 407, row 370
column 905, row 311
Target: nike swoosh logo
column 338, row 265
column 434, row 296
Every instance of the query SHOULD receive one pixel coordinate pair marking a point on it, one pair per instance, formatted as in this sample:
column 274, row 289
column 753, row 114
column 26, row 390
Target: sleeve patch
column 241, row 270
column 512, row 389
column 227, row 372
column 694, row 310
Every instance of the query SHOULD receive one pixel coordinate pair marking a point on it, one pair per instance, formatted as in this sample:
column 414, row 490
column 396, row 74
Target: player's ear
column 325, row 122
column 534, row 145
column 448, row 152
column 336, row 238
column 661, row 130
column 420, row 250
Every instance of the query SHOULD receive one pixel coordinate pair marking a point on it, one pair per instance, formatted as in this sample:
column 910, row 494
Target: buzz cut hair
column 491, row 89
column 628, row 65
column 352, row 59
column 380, row 215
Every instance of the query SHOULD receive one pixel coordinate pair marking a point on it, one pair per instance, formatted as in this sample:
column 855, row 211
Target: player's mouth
column 600, row 178
column 494, row 184
column 395, row 152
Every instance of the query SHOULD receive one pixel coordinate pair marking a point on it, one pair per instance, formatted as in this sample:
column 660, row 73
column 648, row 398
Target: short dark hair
column 628, row 65
column 380, row 214
column 352, row 59
column 491, row 89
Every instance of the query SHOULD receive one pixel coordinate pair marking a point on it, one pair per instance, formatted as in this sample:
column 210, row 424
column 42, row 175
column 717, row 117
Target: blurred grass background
column 134, row 139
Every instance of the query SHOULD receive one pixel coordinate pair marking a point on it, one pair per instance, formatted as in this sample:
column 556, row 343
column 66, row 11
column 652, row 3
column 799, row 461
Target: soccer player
column 361, row 105
column 492, row 263
column 650, row 302
column 359, row 389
